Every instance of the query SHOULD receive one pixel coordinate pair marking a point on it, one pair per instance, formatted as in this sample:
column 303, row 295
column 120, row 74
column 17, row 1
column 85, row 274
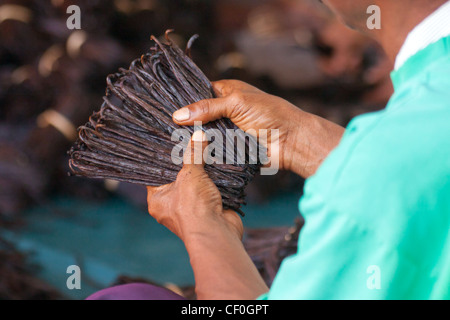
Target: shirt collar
column 435, row 27
column 421, row 62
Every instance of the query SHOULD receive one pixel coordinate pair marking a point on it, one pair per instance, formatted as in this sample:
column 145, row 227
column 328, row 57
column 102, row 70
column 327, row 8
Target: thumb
column 204, row 110
column 194, row 154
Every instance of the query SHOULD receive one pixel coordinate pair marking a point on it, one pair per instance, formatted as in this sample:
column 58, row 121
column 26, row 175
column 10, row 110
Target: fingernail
column 199, row 135
column 182, row 115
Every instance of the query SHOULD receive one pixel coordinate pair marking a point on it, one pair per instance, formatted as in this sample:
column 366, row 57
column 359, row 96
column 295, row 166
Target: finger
column 205, row 111
column 152, row 190
column 223, row 88
column 235, row 221
column 193, row 156
column 156, row 198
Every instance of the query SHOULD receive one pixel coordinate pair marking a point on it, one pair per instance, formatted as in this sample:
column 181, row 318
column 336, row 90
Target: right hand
column 248, row 108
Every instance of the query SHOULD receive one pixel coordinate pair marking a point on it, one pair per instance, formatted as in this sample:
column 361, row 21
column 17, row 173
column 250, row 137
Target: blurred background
column 53, row 78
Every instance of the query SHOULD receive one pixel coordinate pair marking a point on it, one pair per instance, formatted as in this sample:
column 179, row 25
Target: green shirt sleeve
column 377, row 212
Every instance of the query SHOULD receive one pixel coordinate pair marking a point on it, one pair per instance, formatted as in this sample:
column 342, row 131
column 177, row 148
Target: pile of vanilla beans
column 130, row 138
column 18, row 279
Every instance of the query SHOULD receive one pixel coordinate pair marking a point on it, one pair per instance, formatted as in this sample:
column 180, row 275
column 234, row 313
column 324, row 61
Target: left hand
column 192, row 205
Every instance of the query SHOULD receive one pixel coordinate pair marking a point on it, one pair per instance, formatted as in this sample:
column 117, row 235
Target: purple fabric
column 135, row 291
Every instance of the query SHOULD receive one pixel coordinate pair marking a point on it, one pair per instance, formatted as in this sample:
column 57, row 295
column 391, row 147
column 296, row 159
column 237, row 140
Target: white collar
column 435, row 27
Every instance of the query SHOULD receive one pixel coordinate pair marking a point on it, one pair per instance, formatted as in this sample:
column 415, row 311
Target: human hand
column 250, row 109
column 303, row 140
column 192, row 205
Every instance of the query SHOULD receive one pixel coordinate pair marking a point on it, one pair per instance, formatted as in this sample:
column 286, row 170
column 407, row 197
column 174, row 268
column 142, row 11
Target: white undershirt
column 435, row 27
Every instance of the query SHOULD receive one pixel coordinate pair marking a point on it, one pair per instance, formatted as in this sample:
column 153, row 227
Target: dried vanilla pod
column 129, row 138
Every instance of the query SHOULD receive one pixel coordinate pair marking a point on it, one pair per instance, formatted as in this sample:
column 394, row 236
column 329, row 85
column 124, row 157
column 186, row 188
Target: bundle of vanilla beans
column 129, row 139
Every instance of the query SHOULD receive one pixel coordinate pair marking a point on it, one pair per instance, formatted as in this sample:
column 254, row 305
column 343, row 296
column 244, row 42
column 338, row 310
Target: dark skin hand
column 305, row 140
column 191, row 207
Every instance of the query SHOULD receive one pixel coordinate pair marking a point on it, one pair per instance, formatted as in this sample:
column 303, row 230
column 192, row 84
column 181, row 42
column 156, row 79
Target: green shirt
column 377, row 210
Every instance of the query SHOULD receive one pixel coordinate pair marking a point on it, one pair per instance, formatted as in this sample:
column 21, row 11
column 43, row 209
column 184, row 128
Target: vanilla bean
column 129, row 138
